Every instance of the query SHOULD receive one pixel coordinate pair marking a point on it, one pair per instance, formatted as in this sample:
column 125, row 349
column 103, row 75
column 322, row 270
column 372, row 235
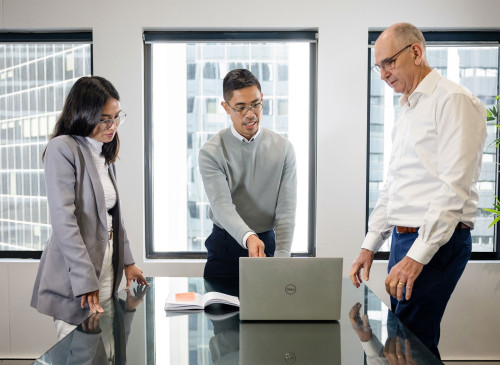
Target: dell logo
column 290, row 289
column 290, row 358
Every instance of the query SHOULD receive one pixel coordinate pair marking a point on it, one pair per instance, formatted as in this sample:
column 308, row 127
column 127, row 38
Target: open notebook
column 194, row 301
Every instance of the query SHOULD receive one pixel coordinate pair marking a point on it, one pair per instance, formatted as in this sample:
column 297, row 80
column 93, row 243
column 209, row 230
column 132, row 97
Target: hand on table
column 255, row 246
column 92, row 299
column 134, row 273
column 363, row 261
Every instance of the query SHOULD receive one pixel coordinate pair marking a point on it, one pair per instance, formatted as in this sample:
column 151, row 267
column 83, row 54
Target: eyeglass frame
column 107, row 123
column 390, row 62
column 245, row 109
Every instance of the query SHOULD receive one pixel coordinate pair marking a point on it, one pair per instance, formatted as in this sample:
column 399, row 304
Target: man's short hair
column 238, row 79
column 407, row 33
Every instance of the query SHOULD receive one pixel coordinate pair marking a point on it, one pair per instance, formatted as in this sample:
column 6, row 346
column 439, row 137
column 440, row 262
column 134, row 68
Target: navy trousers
column 223, row 253
column 422, row 314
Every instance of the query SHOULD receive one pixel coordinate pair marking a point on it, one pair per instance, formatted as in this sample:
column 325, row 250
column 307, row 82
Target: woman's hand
column 133, row 300
column 93, row 299
column 91, row 324
column 133, row 273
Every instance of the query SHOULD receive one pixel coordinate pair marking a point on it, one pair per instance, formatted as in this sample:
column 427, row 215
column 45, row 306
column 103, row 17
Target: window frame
column 442, row 38
column 214, row 36
column 33, row 38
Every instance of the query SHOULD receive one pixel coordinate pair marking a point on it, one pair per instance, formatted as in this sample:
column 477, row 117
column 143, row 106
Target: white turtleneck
column 106, row 276
column 103, row 170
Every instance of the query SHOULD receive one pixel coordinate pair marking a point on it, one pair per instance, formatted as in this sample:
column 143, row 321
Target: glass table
column 135, row 329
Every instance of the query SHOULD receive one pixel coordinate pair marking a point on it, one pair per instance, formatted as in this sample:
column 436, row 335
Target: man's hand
column 394, row 354
column 363, row 261
column 255, row 246
column 404, row 273
column 133, row 273
column 93, row 299
column 361, row 325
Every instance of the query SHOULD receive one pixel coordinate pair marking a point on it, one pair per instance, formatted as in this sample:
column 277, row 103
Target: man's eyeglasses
column 107, row 123
column 243, row 110
column 389, row 63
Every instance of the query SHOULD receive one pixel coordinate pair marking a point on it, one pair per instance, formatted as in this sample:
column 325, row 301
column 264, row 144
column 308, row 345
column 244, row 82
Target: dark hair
column 82, row 112
column 238, row 79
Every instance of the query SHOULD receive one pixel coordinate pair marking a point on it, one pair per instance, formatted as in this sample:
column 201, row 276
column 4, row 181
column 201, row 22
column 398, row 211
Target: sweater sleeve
column 286, row 205
column 219, row 195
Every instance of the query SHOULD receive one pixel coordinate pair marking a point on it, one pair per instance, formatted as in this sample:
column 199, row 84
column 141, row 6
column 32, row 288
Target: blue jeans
column 422, row 314
column 223, row 253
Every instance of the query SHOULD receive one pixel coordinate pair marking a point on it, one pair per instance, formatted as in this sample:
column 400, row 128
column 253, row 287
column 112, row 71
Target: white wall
column 343, row 25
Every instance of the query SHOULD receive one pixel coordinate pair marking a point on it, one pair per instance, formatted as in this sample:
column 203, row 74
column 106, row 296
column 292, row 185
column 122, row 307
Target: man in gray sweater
column 250, row 180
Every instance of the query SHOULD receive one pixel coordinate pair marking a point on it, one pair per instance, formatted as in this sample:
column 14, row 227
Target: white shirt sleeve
column 378, row 228
column 245, row 237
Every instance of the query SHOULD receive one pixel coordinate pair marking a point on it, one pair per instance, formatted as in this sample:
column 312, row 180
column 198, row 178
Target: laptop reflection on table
column 298, row 343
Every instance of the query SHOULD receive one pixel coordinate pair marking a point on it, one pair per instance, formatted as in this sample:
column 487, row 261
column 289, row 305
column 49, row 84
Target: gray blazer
column 71, row 262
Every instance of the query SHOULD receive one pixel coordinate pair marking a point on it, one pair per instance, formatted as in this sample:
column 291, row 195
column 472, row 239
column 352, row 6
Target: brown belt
column 403, row 230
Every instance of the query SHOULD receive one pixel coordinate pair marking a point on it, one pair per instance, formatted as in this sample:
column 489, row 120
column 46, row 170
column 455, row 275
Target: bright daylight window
column 36, row 72
column 184, row 74
column 470, row 59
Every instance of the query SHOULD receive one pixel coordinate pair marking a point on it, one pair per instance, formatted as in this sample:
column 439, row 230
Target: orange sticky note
column 185, row 297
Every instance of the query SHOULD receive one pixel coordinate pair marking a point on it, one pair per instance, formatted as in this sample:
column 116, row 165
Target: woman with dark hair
column 83, row 262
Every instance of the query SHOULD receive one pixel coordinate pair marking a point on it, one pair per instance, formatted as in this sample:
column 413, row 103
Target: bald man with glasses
column 429, row 199
column 250, row 179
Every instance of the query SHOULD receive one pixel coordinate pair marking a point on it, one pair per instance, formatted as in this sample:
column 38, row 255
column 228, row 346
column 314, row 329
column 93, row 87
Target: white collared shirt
column 243, row 139
column 435, row 162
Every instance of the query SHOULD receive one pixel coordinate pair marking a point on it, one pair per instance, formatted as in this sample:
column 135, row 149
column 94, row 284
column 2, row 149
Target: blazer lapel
column 96, row 180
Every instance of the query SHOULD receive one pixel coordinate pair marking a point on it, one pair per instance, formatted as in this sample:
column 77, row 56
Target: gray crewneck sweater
column 251, row 186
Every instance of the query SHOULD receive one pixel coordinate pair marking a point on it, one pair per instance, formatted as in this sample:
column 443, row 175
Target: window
column 191, row 71
column 472, row 60
column 210, row 71
column 36, row 72
column 176, row 204
column 282, row 107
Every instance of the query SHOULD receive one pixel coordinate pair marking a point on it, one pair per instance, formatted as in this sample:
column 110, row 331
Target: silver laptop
column 298, row 343
column 288, row 289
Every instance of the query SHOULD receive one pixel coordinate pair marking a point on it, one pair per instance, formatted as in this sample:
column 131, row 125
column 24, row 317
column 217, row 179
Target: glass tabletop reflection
column 136, row 329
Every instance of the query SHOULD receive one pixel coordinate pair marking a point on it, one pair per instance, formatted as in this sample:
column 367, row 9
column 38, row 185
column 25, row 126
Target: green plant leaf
column 494, row 221
column 492, row 115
